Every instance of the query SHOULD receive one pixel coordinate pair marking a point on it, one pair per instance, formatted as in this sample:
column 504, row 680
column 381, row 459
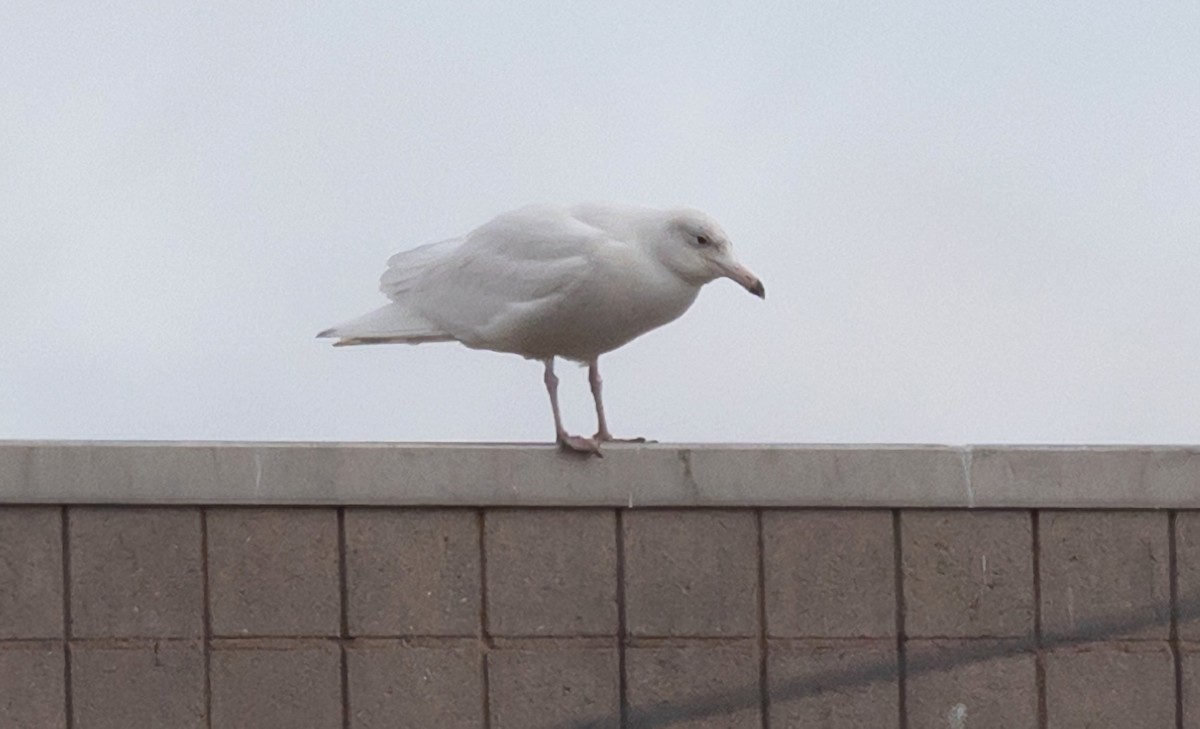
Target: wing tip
column 332, row 332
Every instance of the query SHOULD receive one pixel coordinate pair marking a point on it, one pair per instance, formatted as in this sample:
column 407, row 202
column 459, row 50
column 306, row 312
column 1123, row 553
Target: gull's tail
column 391, row 324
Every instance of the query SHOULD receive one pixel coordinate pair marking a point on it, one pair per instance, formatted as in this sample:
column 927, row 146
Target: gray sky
column 975, row 224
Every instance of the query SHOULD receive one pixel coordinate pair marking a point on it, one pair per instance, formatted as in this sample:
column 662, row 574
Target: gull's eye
column 702, row 240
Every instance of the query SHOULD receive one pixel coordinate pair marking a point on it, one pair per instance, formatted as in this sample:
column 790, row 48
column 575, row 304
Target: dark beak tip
column 758, row 290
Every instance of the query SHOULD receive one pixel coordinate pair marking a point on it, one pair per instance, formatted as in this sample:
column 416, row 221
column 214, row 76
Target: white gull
column 545, row 281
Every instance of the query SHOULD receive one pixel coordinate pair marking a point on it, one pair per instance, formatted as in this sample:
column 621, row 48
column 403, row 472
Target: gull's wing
column 406, row 268
column 505, row 272
column 397, row 321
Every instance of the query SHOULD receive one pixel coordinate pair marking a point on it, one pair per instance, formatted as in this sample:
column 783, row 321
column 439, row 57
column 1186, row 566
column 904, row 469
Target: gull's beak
column 731, row 269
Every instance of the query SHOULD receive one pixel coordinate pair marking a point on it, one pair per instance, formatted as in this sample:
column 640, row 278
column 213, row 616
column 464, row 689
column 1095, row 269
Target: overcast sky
column 976, row 222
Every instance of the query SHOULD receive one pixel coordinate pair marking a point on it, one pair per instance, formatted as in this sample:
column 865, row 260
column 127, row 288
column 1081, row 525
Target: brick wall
column 180, row 617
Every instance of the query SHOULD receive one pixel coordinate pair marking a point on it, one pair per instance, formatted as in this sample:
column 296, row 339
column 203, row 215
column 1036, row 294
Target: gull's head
column 696, row 249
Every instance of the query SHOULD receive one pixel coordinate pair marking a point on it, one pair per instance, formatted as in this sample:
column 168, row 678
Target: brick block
column 829, row 574
column 691, row 573
column 31, row 572
column 136, row 573
column 551, row 572
column 1130, row 685
column 417, row 686
column 1189, row 660
column 554, row 684
column 967, row 574
column 276, row 684
column 979, row 684
column 412, row 572
column 1104, row 575
column 833, row 684
column 31, row 686
column 1187, row 556
column 153, row 685
column 274, row 572
column 694, row 686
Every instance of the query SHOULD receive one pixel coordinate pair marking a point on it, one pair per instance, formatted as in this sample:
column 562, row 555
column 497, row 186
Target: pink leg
column 602, row 434
column 565, row 440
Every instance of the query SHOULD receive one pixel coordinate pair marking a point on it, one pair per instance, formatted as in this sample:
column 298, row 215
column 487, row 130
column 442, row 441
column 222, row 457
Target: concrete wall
column 488, row 607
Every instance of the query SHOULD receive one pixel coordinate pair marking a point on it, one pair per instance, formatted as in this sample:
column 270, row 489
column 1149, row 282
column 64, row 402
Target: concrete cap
column 401, row 474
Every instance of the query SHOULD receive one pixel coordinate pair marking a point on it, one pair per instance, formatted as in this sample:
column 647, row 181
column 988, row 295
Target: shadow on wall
column 726, row 702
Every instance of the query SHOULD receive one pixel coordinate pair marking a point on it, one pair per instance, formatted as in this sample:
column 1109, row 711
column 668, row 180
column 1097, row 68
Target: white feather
column 392, row 323
column 406, row 267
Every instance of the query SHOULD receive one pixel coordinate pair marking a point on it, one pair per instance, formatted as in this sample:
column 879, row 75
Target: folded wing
column 480, row 289
column 504, row 272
